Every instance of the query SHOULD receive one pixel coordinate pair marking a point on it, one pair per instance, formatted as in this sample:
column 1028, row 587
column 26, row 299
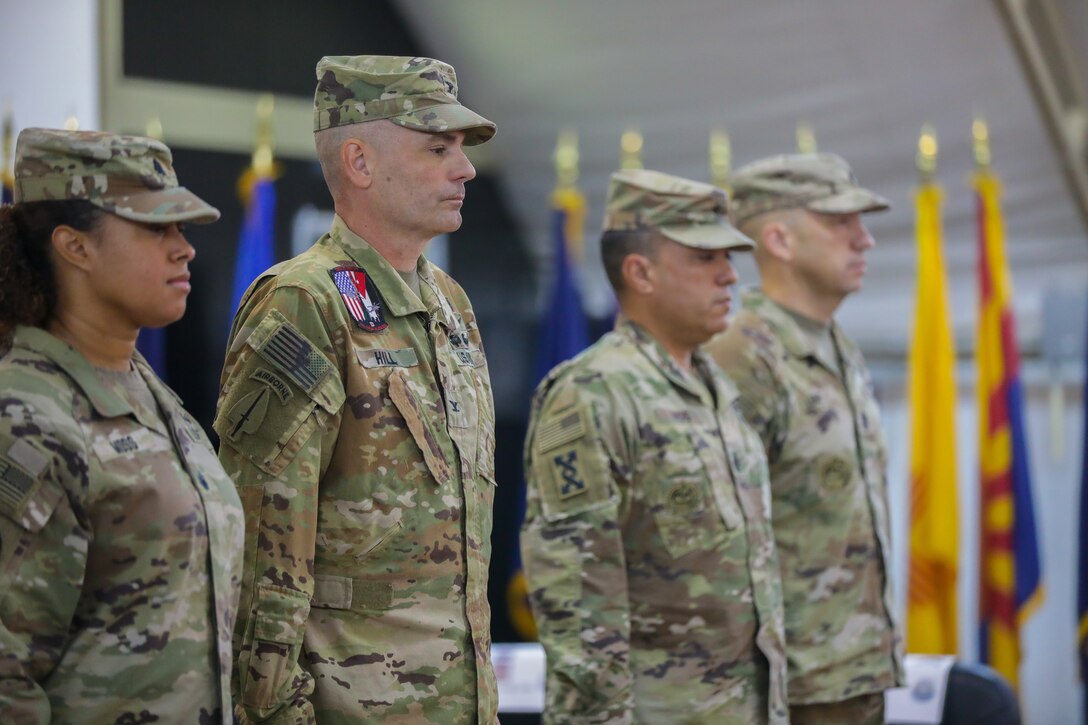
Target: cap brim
column 851, row 201
column 161, row 207
column 709, row 236
column 448, row 117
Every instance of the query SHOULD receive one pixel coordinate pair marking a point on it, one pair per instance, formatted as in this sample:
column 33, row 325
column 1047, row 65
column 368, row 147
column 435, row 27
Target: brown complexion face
column 138, row 273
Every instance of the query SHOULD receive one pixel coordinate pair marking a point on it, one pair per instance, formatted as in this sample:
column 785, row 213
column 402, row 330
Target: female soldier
column 120, row 535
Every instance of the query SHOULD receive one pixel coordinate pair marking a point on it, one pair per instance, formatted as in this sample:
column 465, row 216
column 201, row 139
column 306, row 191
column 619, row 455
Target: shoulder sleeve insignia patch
column 360, row 296
column 569, row 481
column 248, row 413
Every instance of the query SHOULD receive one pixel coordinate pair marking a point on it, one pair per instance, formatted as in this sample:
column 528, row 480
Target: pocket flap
column 281, row 615
column 412, row 412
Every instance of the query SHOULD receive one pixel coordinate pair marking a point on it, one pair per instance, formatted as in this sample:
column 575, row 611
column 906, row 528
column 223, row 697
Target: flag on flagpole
column 934, row 543
column 256, row 245
column 564, row 332
column 7, row 179
column 1082, row 561
column 1009, row 569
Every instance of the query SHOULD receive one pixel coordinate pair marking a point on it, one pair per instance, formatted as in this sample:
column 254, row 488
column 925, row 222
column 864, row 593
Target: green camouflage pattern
column 647, row 543
column 417, row 93
column 120, row 548
column 819, row 182
column 130, row 176
column 367, row 477
column 689, row 212
column 828, row 462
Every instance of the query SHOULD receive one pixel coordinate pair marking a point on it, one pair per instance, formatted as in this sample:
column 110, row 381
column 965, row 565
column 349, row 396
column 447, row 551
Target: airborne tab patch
column 360, row 297
column 294, row 355
column 278, row 386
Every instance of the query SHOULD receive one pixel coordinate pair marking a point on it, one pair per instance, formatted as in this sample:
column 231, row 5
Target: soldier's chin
column 161, row 318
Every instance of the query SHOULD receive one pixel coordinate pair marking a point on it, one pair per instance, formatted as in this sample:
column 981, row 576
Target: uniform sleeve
column 277, row 418
column 572, row 548
column 43, row 555
column 763, row 402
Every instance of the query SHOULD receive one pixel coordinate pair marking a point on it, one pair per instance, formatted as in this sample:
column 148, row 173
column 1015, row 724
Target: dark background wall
column 273, row 46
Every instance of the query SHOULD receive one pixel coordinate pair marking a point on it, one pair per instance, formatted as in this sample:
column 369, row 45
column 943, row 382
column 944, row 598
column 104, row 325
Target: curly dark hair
column 28, row 293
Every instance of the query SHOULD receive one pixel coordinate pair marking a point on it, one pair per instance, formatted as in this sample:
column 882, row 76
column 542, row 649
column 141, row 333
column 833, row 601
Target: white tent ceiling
column 864, row 75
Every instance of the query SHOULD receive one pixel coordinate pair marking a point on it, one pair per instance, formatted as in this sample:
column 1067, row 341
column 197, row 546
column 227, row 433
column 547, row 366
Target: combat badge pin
column 360, row 296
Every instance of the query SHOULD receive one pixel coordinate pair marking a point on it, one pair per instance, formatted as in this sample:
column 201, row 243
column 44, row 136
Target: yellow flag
column 931, row 602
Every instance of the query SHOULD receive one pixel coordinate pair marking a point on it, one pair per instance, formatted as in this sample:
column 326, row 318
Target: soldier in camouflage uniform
column 647, row 542
column 120, row 534
column 357, row 421
column 805, row 389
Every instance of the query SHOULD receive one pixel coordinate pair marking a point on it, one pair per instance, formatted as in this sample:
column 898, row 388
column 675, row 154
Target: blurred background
column 674, row 81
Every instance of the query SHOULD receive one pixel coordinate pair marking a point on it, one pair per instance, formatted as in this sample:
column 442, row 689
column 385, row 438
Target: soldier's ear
column 70, row 245
column 777, row 239
column 355, row 159
column 638, row 274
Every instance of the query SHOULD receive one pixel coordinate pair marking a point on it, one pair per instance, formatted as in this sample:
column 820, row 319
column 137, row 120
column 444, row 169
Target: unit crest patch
column 360, row 296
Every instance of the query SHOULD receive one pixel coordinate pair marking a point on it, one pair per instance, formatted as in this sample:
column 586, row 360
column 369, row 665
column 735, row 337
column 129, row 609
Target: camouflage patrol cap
column 130, row 176
column 416, row 93
column 689, row 212
column 818, row 182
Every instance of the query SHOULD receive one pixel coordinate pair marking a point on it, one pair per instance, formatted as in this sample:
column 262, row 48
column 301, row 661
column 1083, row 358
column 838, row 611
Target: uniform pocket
column 270, row 655
column 421, row 426
column 686, row 518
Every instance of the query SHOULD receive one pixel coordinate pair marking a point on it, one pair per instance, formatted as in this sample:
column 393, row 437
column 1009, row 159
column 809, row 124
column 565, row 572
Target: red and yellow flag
column 934, row 535
column 1010, row 574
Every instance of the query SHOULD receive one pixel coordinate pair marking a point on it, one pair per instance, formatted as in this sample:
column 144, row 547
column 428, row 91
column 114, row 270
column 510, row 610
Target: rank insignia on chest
column 360, row 296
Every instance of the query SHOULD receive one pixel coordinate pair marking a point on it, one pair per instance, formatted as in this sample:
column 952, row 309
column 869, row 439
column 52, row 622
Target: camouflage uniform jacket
column 647, row 543
column 120, row 542
column 828, row 463
column 365, row 463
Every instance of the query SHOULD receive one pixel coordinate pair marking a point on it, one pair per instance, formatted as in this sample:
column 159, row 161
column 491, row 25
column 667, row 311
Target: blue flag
column 256, row 246
column 564, row 332
column 1082, row 568
column 152, row 345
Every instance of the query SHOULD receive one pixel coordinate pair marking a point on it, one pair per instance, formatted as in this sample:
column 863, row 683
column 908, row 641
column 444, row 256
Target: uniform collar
column 397, row 297
column 105, row 402
column 796, row 341
column 694, row 383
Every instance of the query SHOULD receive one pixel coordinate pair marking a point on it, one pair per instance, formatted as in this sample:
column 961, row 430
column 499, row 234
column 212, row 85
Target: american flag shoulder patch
column 293, row 354
column 360, row 296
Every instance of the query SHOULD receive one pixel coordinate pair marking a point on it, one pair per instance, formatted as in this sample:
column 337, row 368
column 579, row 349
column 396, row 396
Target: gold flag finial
column 926, row 160
column 566, row 158
column 806, row 139
column 153, row 129
column 631, row 150
column 263, row 164
column 263, row 159
column 980, row 132
column 6, row 143
column 721, row 157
